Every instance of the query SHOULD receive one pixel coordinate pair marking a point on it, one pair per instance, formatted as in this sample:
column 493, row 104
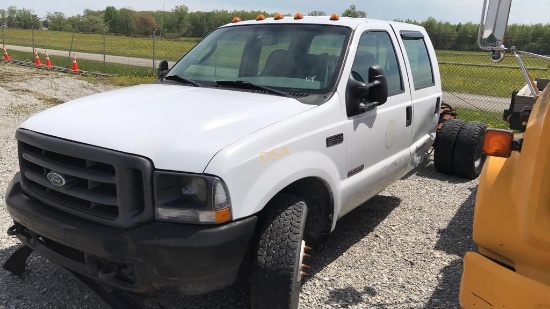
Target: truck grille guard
column 93, row 183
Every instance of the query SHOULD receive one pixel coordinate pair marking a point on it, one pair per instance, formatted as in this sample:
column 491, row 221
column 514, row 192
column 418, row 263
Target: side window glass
column 376, row 47
column 419, row 60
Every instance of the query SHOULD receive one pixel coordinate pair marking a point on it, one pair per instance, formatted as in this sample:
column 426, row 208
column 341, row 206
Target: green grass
column 492, row 119
column 90, row 65
column 475, row 73
column 93, row 43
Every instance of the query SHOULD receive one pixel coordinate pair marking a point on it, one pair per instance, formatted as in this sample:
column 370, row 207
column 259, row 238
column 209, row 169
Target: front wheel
column 277, row 275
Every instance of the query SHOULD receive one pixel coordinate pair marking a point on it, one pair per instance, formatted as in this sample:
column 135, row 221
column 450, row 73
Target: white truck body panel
column 178, row 127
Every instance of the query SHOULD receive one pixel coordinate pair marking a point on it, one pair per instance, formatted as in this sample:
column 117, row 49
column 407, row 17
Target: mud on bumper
column 189, row 259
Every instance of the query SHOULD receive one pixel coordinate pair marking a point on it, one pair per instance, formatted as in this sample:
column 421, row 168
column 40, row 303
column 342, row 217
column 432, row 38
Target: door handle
column 409, row 112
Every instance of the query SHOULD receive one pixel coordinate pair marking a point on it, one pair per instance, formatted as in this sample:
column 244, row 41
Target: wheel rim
column 477, row 163
column 302, row 254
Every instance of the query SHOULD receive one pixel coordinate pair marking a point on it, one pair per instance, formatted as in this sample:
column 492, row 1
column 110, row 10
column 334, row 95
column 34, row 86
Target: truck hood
column 178, row 127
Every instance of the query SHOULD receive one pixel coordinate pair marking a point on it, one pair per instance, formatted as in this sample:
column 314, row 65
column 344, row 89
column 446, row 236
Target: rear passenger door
column 425, row 84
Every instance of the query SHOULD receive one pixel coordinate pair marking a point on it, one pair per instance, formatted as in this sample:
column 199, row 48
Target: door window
column 419, row 60
column 376, row 47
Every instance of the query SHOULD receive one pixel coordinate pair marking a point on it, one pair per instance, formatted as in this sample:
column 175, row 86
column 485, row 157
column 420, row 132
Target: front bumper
column 486, row 284
column 189, row 259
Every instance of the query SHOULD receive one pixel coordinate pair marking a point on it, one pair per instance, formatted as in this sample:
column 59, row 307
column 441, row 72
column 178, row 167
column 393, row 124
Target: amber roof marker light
column 278, row 16
column 236, row 19
column 335, row 17
column 260, row 17
column 298, row 16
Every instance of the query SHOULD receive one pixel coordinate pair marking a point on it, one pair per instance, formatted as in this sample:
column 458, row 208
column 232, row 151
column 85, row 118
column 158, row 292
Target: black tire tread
column 445, row 146
column 274, row 283
column 469, row 149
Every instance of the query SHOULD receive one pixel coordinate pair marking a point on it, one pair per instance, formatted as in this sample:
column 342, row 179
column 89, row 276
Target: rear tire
column 444, row 149
column 276, row 278
column 469, row 156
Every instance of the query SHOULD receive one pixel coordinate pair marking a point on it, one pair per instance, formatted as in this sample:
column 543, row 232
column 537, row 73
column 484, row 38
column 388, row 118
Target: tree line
column 446, row 36
column 180, row 22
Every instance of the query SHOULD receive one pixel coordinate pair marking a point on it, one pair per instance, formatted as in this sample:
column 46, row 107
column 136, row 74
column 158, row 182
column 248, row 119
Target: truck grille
column 97, row 184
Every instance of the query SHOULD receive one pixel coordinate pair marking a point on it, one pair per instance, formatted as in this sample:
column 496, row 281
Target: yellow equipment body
column 511, row 266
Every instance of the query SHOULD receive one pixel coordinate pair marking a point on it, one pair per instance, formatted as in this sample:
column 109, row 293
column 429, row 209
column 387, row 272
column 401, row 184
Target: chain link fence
column 480, row 89
column 475, row 86
column 111, row 54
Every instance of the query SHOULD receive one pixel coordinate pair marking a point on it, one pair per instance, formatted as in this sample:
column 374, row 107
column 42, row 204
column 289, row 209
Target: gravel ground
column 402, row 249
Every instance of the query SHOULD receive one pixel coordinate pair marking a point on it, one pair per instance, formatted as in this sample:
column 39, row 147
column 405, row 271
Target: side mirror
column 362, row 97
column 378, row 86
column 162, row 69
column 494, row 20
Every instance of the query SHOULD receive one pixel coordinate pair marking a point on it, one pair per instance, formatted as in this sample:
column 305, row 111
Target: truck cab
column 258, row 140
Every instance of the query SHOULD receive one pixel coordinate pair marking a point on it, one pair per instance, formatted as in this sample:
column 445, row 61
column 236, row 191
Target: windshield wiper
column 183, row 80
column 248, row 85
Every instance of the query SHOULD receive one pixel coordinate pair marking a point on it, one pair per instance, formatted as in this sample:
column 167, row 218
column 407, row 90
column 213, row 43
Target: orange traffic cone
column 6, row 56
column 48, row 62
column 37, row 59
column 74, row 68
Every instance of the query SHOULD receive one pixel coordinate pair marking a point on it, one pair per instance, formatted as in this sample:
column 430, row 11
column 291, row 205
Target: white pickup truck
column 255, row 143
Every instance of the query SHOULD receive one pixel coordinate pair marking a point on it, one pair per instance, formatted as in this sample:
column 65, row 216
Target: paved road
column 455, row 99
column 476, row 101
column 144, row 62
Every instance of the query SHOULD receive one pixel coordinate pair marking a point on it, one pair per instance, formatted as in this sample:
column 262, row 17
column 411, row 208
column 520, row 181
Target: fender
column 259, row 166
column 276, row 177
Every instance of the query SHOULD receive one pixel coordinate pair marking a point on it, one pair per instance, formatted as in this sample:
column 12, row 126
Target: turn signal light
column 498, row 143
column 260, row 17
column 299, row 16
column 223, row 215
column 236, row 19
column 334, row 17
column 278, row 16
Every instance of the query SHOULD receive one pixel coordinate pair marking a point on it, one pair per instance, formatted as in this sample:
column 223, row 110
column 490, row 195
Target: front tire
column 276, row 278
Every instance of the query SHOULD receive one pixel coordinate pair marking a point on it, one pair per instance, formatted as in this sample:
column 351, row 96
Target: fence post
column 154, row 47
column 71, row 48
column 32, row 30
column 104, row 45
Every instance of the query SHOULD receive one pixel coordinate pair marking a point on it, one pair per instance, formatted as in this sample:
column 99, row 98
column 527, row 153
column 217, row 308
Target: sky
column 453, row 11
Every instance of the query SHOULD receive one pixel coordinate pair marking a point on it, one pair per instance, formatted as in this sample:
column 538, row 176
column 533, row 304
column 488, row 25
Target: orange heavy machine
column 510, row 267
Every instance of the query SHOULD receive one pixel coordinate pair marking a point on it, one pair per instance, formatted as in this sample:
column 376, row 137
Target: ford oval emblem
column 56, row 179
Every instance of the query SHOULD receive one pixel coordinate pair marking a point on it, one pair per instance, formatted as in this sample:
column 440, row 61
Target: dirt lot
column 403, row 249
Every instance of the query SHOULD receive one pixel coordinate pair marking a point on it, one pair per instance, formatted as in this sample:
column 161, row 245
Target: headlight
column 191, row 198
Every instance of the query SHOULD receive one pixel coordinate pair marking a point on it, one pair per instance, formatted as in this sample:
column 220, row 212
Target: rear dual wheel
column 444, row 151
column 458, row 150
column 469, row 156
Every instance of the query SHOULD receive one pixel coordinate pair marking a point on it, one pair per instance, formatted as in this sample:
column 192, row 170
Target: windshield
column 294, row 58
